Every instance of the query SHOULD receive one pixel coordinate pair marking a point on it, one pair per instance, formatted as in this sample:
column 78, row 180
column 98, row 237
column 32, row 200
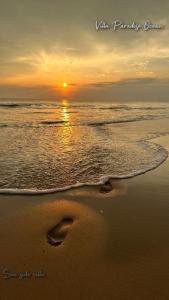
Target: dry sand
column 116, row 248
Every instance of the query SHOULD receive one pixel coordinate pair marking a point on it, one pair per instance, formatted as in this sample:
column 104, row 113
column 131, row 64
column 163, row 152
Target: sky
column 45, row 43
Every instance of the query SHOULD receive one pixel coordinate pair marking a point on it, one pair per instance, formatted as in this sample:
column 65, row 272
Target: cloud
column 130, row 81
column 133, row 89
column 28, row 92
column 43, row 42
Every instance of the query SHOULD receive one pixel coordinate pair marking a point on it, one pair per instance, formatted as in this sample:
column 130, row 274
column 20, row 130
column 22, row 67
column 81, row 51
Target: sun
column 64, row 84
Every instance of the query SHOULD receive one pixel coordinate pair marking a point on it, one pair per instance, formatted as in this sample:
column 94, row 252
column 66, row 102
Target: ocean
column 48, row 146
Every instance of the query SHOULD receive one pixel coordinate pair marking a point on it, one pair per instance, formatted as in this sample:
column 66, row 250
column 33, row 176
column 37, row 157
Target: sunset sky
column 45, row 43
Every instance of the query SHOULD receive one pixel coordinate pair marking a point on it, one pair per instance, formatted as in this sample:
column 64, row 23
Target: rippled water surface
column 48, row 146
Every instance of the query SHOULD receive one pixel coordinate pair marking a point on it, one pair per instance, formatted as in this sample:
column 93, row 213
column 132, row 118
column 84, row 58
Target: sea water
column 48, row 146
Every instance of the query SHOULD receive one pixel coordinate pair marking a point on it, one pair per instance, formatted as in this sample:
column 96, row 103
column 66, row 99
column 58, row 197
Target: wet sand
column 115, row 247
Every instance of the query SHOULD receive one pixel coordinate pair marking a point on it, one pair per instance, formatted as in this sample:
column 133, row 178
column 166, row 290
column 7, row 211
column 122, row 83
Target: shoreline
column 103, row 180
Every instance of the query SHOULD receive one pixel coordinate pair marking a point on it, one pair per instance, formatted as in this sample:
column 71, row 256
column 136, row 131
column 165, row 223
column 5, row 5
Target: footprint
column 58, row 233
column 106, row 187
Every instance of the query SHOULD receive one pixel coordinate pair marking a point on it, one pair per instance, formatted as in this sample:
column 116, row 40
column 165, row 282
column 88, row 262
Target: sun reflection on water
column 67, row 128
column 66, row 115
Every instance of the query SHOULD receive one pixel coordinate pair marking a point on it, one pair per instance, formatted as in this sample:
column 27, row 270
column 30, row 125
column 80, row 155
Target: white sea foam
column 16, row 191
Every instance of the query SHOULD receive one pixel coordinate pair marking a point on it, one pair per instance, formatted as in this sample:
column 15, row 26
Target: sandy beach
column 116, row 248
column 84, row 150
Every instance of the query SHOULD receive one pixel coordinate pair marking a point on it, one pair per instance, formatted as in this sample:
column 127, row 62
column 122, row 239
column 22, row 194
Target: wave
column 125, row 120
column 53, row 122
column 79, row 123
column 103, row 179
column 31, row 124
column 14, row 105
column 27, row 105
column 126, row 107
column 4, row 125
column 106, row 122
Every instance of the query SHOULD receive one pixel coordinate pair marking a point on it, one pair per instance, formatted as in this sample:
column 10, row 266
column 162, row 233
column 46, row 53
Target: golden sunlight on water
column 67, row 129
column 65, row 113
column 65, row 102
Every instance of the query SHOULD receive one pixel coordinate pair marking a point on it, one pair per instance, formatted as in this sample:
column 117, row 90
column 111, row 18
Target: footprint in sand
column 58, row 233
column 106, row 187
